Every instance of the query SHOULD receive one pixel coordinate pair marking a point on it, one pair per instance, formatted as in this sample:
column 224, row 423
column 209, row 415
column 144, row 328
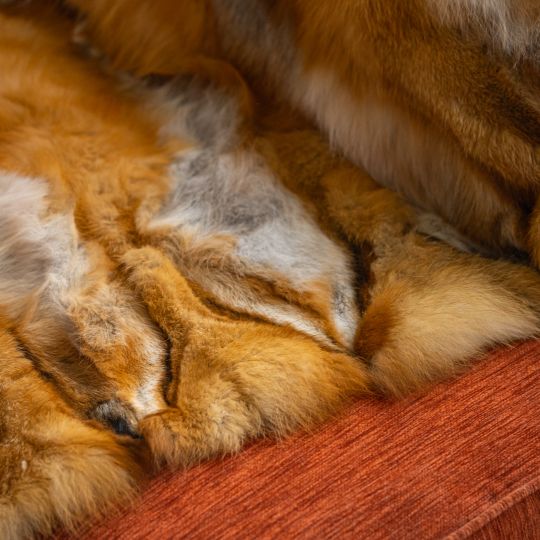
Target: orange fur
column 182, row 271
column 436, row 100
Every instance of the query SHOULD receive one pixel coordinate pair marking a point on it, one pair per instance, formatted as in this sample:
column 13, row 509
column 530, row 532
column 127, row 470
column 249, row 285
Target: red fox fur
column 438, row 100
column 183, row 270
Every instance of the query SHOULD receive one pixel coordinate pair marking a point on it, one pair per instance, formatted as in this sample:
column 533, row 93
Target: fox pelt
column 183, row 270
column 438, row 100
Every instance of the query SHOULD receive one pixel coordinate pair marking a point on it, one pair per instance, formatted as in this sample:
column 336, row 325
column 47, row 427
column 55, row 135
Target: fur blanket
column 183, row 270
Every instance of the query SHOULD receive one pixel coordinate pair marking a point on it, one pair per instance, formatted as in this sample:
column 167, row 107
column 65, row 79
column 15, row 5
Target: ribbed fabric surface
column 521, row 521
column 444, row 465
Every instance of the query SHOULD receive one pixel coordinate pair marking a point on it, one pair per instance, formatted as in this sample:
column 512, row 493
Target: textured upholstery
column 462, row 461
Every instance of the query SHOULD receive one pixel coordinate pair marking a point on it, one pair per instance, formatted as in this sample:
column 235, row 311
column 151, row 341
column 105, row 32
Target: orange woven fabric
column 444, row 465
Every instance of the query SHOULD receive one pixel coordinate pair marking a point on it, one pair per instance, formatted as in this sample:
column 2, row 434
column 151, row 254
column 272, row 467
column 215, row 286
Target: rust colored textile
column 460, row 462
column 520, row 521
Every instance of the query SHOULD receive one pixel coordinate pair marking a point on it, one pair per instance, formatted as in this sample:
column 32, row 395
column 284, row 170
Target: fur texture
column 182, row 271
column 437, row 100
column 513, row 27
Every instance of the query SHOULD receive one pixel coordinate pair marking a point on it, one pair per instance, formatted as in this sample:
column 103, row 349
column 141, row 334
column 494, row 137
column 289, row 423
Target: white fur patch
column 234, row 194
column 44, row 270
column 511, row 25
column 36, row 253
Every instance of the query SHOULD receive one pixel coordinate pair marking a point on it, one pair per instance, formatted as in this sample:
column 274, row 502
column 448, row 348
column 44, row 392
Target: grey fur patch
column 118, row 416
column 254, row 42
column 435, row 227
column 237, row 195
column 196, row 110
column 210, row 197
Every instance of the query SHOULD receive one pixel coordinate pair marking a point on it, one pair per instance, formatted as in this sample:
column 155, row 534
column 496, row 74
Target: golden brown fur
column 181, row 272
column 438, row 100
